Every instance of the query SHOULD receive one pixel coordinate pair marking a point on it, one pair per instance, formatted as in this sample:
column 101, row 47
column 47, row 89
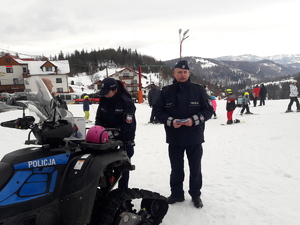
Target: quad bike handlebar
column 23, row 123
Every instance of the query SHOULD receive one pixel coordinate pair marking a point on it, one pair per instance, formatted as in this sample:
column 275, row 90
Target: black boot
column 229, row 122
column 172, row 200
column 197, row 202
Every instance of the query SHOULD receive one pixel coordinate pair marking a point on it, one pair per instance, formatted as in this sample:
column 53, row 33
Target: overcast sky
column 216, row 27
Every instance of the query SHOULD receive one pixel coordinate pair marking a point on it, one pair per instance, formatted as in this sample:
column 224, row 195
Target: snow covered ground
column 251, row 171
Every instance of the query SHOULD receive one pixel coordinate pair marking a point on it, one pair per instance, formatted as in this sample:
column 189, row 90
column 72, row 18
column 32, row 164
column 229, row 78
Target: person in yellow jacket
column 246, row 103
column 86, row 108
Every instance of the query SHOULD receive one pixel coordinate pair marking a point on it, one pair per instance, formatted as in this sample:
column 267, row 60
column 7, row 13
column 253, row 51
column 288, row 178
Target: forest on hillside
column 96, row 60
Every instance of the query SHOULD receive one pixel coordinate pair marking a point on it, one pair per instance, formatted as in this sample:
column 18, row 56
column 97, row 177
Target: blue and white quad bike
column 61, row 181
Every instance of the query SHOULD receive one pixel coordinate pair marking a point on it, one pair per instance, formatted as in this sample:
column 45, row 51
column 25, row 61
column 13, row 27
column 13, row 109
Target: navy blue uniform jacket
column 179, row 101
column 118, row 112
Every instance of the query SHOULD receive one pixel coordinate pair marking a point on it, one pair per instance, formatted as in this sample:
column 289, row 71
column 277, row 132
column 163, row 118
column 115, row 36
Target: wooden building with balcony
column 14, row 70
column 129, row 78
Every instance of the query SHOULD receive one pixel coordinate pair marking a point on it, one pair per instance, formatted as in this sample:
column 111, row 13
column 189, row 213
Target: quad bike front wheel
column 117, row 208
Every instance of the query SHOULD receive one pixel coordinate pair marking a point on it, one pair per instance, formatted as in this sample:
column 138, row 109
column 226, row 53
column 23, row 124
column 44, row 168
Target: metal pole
column 140, row 94
column 181, row 39
column 180, row 43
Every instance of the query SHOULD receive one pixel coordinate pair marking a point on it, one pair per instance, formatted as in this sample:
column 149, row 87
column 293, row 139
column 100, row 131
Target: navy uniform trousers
column 123, row 182
column 194, row 154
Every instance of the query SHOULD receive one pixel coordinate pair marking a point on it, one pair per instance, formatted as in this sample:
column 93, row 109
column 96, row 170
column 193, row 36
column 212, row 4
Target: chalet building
column 129, row 78
column 13, row 71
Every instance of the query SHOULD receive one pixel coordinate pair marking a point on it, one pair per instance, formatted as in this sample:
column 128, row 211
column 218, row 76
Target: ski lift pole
column 181, row 39
column 140, row 94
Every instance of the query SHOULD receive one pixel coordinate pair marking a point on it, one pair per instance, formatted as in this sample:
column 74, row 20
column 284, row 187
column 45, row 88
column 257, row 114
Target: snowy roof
column 35, row 66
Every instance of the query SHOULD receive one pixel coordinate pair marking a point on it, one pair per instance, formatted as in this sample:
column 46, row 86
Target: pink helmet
column 95, row 133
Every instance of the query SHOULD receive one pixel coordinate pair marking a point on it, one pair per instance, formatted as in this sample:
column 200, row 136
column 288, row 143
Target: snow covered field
column 251, row 171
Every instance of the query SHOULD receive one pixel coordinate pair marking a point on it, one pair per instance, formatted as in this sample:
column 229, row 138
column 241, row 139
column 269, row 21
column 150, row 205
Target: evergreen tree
column 61, row 56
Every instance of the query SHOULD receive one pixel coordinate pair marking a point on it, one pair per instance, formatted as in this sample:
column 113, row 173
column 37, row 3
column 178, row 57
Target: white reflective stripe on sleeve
column 196, row 119
column 169, row 121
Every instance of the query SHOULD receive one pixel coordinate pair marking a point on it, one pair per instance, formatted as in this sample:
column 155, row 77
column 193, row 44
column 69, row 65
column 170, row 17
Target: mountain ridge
column 239, row 71
column 281, row 58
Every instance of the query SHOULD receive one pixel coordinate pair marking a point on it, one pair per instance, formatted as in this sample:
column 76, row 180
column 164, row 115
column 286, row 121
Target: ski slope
column 251, row 171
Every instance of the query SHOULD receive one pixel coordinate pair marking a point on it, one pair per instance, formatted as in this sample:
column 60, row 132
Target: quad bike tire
column 108, row 210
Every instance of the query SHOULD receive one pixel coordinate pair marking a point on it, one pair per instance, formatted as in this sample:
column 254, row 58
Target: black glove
column 112, row 134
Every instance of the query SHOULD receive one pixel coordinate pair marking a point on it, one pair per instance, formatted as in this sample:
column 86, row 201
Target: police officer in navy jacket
column 117, row 110
column 189, row 101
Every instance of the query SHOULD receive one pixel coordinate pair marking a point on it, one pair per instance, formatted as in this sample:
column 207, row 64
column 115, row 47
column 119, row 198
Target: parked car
column 15, row 97
column 69, row 97
column 4, row 96
column 93, row 98
column 4, row 107
column 19, row 96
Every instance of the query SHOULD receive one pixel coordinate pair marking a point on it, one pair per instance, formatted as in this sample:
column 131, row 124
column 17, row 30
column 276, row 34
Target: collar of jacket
column 182, row 85
column 113, row 99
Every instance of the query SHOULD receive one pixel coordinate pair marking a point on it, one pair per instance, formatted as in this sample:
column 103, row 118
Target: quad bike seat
column 111, row 145
column 6, row 172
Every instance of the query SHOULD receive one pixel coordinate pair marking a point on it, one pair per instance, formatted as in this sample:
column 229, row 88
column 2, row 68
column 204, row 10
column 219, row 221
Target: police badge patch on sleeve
column 129, row 118
column 209, row 102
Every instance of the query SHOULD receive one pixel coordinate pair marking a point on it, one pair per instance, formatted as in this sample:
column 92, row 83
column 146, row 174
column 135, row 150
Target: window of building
column 9, row 70
column 16, row 81
column 48, row 68
column 24, row 69
column 7, row 59
column 59, row 90
column 58, row 80
column 75, row 97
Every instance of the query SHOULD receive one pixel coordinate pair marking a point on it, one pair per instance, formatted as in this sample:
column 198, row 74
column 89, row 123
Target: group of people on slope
column 244, row 101
column 262, row 91
column 256, row 94
column 259, row 93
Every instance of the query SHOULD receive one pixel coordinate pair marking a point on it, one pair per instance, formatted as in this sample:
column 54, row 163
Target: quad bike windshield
column 55, row 123
column 49, row 123
column 41, row 103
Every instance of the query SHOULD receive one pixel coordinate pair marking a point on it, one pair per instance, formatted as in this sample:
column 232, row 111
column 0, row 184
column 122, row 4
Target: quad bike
column 66, row 181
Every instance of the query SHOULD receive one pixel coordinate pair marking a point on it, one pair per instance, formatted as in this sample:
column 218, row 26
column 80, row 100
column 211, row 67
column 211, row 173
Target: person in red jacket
column 255, row 94
column 230, row 106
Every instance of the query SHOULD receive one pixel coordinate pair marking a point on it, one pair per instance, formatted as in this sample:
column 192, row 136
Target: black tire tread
column 117, row 197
